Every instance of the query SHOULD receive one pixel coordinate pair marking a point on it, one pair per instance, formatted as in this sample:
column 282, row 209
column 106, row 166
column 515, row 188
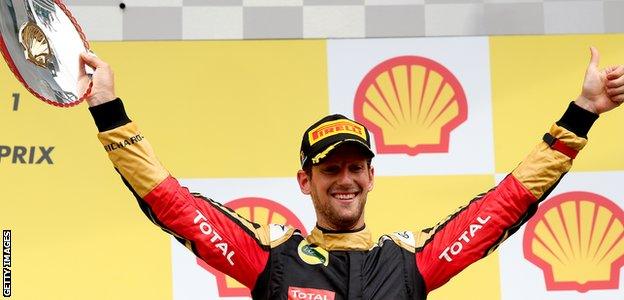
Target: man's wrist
column 109, row 115
column 95, row 100
column 585, row 104
column 577, row 119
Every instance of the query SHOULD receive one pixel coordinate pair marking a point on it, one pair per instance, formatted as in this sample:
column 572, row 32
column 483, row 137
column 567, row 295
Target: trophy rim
column 7, row 57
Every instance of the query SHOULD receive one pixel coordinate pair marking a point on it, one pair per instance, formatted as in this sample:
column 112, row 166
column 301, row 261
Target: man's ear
column 371, row 173
column 304, row 182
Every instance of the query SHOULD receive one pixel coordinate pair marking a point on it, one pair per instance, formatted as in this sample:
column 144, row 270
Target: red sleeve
column 473, row 232
column 216, row 234
column 477, row 229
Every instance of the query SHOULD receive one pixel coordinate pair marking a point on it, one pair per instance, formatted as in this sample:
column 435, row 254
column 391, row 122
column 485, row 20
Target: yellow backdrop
column 237, row 109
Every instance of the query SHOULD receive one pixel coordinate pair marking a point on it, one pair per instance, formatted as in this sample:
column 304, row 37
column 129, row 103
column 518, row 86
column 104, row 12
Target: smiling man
column 339, row 149
column 339, row 260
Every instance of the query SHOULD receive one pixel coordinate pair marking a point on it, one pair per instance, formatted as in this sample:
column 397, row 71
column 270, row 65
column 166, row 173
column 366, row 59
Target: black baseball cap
column 328, row 133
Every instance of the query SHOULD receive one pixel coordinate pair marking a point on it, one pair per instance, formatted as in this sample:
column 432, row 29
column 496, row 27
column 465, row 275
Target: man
column 338, row 260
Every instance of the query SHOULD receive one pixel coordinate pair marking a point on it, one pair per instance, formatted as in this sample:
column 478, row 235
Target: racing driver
column 339, row 260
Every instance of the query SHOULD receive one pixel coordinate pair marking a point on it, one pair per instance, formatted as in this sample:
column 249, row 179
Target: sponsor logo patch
column 410, row 104
column 215, row 238
column 456, row 248
column 330, row 128
column 577, row 239
column 312, row 255
column 406, row 237
column 297, row 293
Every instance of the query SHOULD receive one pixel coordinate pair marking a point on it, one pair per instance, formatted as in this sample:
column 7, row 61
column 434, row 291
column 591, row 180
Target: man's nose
column 344, row 177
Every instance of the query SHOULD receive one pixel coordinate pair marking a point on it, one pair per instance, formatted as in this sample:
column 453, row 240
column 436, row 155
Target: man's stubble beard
column 333, row 216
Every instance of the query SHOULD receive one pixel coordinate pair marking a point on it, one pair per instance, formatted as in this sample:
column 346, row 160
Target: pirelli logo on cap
column 330, row 128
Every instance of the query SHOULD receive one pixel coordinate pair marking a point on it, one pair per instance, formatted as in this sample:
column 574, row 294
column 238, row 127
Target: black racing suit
column 277, row 262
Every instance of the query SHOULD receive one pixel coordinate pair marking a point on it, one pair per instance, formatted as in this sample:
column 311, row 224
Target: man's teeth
column 344, row 196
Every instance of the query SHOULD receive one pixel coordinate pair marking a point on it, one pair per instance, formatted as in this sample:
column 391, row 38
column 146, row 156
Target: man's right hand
column 103, row 89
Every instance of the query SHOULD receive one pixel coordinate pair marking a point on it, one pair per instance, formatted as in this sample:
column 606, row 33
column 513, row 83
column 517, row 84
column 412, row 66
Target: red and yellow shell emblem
column 577, row 239
column 410, row 104
column 257, row 210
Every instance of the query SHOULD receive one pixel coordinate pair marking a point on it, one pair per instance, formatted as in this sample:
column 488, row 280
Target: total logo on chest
column 297, row 293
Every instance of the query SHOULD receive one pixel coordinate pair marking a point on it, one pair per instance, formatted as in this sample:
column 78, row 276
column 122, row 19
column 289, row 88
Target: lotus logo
column 577, row 239
column 411, row 104
column 261, row 211
column 312, row 255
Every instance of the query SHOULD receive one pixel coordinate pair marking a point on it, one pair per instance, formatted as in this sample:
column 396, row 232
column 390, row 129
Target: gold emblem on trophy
column 36, row 44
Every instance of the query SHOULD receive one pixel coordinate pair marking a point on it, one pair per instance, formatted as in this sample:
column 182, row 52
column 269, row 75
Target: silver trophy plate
column 41, row 42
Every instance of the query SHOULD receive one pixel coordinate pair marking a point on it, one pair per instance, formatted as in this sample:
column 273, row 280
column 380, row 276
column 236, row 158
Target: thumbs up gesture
column 603, row 89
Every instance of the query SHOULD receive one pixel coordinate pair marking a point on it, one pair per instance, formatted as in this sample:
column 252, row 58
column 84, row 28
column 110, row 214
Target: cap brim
column 322, row 155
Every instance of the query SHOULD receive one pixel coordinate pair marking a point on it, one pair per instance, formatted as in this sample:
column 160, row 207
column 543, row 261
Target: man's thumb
column 595, row 57
column 90, row 59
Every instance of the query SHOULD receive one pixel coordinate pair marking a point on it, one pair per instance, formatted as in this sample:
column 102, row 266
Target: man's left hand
column 603, row 89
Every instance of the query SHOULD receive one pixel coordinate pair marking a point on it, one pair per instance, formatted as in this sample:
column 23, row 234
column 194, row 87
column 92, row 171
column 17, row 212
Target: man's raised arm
column 216, row 234
column 478, row 228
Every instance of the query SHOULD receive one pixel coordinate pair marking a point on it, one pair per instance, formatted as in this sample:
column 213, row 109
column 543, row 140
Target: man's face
column 339, row 186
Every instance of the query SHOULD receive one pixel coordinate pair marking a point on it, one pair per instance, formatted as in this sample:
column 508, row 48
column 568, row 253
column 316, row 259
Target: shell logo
column 411, row 104
column 261, row 211
column 577, row 239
